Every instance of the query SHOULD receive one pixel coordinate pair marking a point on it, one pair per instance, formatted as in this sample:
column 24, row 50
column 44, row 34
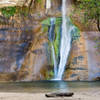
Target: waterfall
column 51, row 30
column 65, row 43
column 61, row 33
column 48, row 5
column 55, row 62
column 51, row 39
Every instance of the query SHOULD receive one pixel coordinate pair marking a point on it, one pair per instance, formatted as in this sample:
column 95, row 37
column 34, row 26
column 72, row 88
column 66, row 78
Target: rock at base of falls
column 67, row 94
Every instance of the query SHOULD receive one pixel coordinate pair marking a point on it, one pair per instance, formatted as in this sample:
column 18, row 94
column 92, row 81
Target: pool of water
column 48, row 86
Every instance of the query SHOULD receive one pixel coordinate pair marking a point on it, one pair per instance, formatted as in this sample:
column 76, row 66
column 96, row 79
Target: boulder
column 62, row 94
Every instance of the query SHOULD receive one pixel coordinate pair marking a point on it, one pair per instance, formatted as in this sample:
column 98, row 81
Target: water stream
column 65, row 43
column 51, row 39
column 55, row 62
column 48, row 5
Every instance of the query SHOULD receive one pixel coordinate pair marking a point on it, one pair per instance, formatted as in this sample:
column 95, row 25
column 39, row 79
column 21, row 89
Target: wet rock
column 38, row 51
column 69, row 94
column 77, row 67
column 73, row 75
column 97, row 79
column 80, row 68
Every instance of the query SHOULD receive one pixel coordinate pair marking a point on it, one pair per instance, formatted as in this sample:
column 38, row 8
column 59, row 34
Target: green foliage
column 91, row 9
column 51, row 53
column 8, row 11
column 57, row 22
column 39, row 1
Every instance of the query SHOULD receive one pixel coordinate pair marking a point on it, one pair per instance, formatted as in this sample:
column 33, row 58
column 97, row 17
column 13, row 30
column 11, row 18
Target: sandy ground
column 41, row 96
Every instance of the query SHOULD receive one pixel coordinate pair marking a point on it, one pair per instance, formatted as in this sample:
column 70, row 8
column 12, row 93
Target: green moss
column 45, row 29
column 39, row 1
column 46, row 22
column 8, row 11
column 51, row 55
column 49, row 75
column 56, row 42
column 57, row 22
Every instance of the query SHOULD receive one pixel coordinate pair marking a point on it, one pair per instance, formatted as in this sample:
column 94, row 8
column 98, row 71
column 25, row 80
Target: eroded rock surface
column 78, row 61
column 24, row 47
column 6, row 3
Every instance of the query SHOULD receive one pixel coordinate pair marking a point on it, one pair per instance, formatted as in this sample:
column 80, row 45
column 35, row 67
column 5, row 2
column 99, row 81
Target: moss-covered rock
column 46, row 24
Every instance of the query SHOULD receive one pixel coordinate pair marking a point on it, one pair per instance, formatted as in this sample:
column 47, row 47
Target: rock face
column 4, row 3
column 78, row 61
column 24, row 52
column 92, row 45
column 24, row 47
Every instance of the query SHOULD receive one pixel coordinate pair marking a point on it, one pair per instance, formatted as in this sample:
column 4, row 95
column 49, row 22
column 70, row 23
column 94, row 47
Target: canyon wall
column 24, row 53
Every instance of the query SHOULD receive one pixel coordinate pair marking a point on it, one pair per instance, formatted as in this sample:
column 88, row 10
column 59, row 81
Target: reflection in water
column 63, row 87
column 48, row 86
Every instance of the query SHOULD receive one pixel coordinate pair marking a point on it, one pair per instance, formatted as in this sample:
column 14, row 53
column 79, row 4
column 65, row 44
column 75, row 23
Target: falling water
column 51, row 39
column 51, row 30
column 48, row 5
column 65, row 43
column 55, row 62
